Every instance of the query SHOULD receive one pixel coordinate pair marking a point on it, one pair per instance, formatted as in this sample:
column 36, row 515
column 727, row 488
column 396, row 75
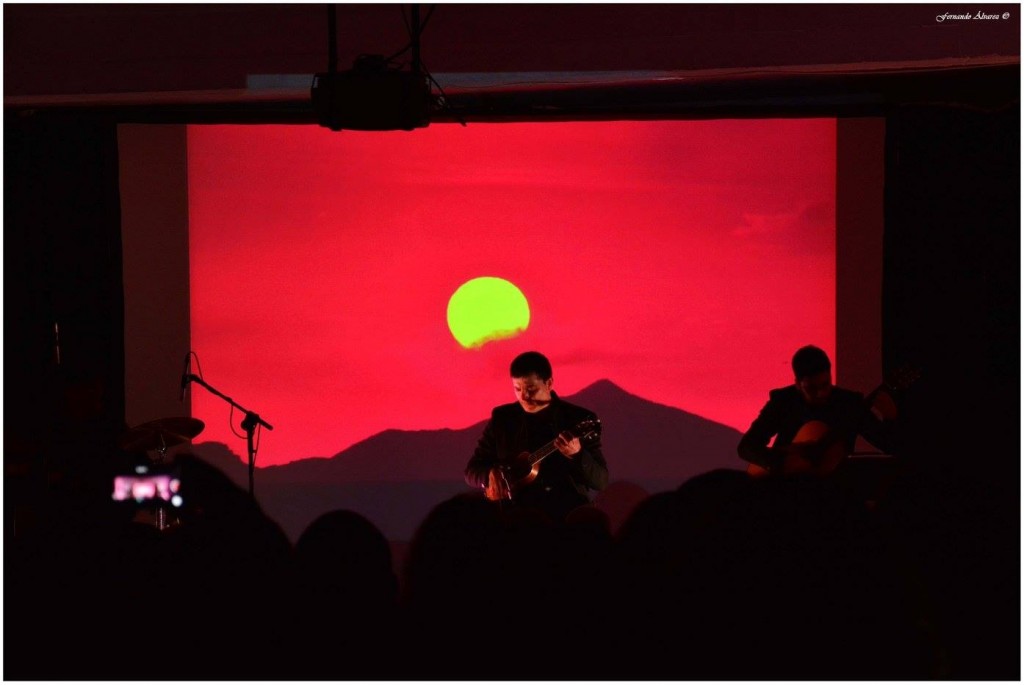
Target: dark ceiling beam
column 760, row 95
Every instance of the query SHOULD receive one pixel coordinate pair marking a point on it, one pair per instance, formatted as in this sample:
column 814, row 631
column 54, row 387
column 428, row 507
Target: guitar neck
column 543, row 453
column 584, row 431
column 881, row 387
column 897, row 381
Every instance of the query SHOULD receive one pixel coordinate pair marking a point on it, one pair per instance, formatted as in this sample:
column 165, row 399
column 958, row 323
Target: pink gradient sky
column 683, row 260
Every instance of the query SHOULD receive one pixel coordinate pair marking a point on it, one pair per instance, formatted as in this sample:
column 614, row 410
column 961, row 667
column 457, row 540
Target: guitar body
column 880, row 401
column 512, row 474
column 794, row 465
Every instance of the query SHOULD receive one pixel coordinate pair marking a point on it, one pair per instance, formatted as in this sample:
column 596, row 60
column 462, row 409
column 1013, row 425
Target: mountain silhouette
column 396, row 476
column 655, row 445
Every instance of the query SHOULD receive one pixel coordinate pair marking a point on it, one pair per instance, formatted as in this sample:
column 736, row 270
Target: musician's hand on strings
column 497, row 487
column 568, row 444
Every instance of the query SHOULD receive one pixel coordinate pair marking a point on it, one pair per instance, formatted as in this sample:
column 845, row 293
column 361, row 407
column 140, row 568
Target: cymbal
column 161, row 433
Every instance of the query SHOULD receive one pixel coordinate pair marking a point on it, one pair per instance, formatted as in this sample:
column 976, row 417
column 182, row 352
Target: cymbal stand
column 160, row 509
column 249, row 423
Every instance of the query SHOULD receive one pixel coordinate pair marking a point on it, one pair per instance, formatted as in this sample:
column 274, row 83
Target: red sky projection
column 682, row 260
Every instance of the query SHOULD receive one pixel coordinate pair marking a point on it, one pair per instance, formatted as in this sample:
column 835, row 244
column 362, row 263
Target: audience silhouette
column 724, row 577
column 345, row 599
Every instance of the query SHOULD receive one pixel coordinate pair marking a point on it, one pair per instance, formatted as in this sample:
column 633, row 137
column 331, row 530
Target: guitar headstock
column 902, row 377
column 587, row 429
column 884, row 399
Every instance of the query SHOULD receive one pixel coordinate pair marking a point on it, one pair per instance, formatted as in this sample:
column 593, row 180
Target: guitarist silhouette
column 540, row 451
column 815, row 424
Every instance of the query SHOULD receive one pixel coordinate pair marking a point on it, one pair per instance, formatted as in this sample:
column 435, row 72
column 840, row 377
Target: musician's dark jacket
column 561, row 483
column 786, row 412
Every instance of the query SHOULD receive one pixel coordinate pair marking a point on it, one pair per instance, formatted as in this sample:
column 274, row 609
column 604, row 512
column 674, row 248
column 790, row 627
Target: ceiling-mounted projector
column 372, row 97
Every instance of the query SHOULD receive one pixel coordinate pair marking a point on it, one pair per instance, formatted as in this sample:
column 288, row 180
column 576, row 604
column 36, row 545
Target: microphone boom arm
column 249, row 423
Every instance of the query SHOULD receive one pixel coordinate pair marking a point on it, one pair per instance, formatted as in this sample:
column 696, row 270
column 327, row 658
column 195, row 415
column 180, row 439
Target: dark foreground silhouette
column 724, row 577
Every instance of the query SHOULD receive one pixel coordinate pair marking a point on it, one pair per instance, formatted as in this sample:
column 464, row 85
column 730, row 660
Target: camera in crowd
column 149, row 485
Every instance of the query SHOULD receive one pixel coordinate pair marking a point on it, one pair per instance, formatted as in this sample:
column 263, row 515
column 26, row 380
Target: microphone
column 56, row 342
column 185, row 378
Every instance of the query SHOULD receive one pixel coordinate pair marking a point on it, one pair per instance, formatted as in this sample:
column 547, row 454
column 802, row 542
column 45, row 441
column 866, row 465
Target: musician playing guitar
column 539, row 451
column 815, row 423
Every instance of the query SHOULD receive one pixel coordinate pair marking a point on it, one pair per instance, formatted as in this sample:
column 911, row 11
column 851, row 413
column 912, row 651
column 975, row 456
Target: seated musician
column 837, row 416
column 519, row 429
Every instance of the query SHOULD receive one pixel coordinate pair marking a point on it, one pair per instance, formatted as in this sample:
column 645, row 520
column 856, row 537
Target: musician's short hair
column 810, row 361
column 530, row 362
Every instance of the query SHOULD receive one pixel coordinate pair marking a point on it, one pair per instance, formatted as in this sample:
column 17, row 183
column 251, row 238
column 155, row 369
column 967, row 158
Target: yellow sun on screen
column 485, row 309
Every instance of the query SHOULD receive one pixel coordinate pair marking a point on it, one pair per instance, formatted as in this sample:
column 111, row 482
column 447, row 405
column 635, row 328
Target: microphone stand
column 249, row 423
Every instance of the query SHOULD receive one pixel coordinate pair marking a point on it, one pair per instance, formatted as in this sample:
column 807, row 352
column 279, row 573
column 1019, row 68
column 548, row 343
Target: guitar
column 832, row 451
column 511, row 475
